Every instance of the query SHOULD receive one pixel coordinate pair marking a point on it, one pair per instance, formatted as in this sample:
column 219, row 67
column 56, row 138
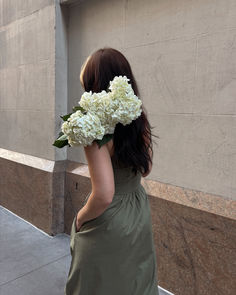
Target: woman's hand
column 78, row 222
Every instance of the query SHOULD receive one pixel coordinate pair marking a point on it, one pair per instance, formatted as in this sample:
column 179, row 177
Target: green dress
column 114, row 253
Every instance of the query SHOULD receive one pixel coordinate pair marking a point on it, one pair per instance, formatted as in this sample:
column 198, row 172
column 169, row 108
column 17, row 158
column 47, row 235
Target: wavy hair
column 133, row 145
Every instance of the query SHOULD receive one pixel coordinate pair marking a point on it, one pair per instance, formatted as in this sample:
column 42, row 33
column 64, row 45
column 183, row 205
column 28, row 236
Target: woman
column 112, row 244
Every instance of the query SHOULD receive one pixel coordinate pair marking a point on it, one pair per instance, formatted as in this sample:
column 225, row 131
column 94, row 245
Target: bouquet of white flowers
column 98, row 113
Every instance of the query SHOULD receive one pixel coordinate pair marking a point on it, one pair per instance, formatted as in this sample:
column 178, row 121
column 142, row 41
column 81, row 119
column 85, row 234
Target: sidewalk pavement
column 31, row 261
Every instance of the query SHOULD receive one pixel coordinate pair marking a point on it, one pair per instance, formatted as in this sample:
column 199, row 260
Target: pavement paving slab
column 31, row 261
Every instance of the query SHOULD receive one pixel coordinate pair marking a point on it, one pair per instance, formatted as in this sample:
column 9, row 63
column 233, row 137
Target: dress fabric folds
column 114, row 253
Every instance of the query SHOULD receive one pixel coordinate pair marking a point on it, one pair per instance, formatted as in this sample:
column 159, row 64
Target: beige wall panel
column 183, row 57
column 27, row 72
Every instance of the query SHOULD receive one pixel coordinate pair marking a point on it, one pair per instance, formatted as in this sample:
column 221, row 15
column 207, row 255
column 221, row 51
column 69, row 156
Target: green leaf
column 62, row 137
column 60, row 143
column 78, row 108
column 60, row 134
column 61, row 140
column 65, row 117
column 104, row 140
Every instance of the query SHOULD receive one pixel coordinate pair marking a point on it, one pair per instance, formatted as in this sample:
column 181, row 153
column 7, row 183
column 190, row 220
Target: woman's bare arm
column 102, row 179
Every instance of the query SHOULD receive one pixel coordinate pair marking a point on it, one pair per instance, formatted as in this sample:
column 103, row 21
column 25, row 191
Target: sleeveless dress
column 114, row 253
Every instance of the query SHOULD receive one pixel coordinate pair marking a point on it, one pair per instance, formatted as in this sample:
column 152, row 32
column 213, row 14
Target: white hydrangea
column 120, row 86
column 82, row 129
column 103, row 111
column 120, row 105
column 129, row 105
column 129, row 109
column 102, row 105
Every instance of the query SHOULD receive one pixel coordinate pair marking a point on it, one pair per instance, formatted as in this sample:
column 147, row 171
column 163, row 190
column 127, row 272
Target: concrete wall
column 183, row 55
column 33, row 93
column 27, row 77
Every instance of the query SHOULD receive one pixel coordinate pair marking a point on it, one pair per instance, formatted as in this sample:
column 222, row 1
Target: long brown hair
column 132, row 142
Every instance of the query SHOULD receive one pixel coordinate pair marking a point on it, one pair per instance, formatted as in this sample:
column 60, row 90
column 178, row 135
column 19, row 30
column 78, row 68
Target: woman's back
column 125, row 179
